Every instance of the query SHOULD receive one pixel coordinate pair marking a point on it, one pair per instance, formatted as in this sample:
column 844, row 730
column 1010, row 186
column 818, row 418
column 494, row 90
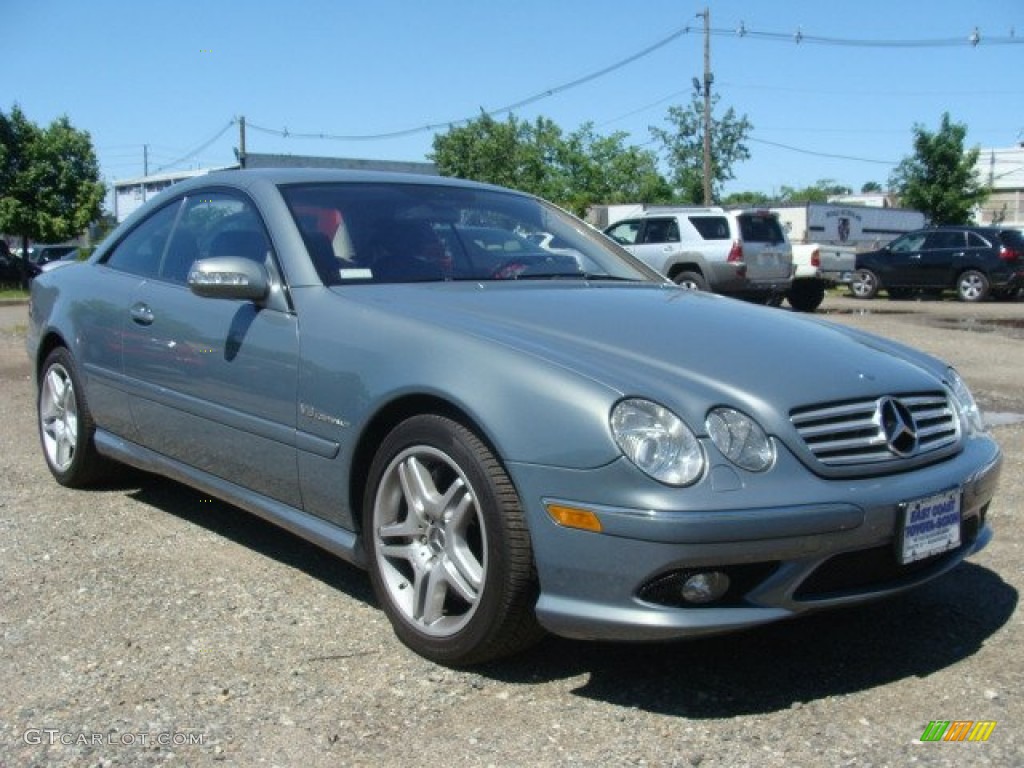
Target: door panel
column 214, row 385
column 214, row 381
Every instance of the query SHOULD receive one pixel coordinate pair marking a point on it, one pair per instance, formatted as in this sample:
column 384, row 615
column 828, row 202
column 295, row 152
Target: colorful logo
column 958, row 730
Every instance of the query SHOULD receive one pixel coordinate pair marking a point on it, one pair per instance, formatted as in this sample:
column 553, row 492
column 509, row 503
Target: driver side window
column 908, row 243
column 215, row 223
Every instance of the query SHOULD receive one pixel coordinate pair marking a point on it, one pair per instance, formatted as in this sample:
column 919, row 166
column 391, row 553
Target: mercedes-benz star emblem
column 897, row 423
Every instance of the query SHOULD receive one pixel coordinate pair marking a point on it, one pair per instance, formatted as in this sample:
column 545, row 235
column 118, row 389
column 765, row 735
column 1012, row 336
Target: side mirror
column 229, row 277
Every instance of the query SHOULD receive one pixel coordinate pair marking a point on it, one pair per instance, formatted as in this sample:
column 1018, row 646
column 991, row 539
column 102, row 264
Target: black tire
column 66, row 427
column 692, row 280
column 972, row 286
column 864, row 284
column 456, row 579
column 806, row 295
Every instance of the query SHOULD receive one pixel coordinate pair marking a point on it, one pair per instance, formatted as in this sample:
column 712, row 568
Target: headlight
column 657, row 441
column 965, row 401
column 740, row 439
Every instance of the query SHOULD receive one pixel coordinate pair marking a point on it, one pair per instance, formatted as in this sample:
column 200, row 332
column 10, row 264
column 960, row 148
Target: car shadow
column 247, row 530
column 767, row 669
column 784, row 665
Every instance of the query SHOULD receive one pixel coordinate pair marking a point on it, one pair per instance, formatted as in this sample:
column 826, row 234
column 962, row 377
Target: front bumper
column 803, row 542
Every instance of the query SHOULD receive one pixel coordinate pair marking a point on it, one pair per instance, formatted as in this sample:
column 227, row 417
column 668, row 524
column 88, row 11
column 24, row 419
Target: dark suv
column 975, row 261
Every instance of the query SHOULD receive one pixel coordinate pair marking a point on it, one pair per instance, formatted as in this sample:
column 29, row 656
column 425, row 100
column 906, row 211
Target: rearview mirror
column 229, row 277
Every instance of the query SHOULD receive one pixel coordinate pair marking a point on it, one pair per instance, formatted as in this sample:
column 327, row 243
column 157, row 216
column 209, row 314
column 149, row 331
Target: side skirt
column 338, row 541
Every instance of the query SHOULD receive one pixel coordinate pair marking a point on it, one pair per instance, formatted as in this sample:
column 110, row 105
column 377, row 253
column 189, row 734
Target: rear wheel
column 865, row 284
column 806, row 295
column 66, row 427
column 972, row 286
column 693, row 281
column 448, row 548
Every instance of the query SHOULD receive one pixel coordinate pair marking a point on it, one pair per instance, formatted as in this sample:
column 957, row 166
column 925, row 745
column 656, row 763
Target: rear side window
column 711, row 227
column 661, row 231
column 974, row 240
column 945, row 240
column 760, row 228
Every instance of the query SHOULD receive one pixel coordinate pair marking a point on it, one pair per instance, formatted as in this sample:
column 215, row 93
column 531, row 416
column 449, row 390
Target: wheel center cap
column 436, row 539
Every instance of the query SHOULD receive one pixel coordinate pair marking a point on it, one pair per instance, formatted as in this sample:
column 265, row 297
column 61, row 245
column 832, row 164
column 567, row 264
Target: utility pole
column 241, row 141
column 145, row 159
column 708, row 79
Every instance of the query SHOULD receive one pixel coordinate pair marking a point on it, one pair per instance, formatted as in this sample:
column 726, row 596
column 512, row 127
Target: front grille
column 851, row 433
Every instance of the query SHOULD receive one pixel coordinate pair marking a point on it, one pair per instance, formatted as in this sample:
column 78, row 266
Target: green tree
column 746, row 198
column 683, row 145
column 49, row 179
column 575, row 170
column 819, row 192
column 871, row 186
column 940, row 178
column 604, row 170
column 512, row 153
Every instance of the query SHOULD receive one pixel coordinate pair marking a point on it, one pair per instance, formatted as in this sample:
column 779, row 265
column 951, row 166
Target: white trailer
column 860, row 226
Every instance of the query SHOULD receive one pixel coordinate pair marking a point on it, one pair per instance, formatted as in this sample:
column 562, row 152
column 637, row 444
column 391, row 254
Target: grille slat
column 846, row 434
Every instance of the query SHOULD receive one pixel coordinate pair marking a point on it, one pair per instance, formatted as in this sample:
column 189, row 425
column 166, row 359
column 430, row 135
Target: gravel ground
column 144, row 624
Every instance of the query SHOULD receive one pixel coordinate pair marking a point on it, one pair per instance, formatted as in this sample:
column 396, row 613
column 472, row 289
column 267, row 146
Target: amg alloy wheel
column 448, row 550
column 65, row 424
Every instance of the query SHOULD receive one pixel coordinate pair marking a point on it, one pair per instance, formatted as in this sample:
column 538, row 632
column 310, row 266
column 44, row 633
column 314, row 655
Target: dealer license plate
column 930, row 526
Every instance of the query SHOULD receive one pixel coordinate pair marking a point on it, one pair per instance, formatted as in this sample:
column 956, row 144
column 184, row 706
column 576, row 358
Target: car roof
column 284, row 176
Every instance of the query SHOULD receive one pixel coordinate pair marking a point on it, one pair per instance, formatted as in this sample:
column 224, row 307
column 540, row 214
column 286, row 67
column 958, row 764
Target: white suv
column 741, row 253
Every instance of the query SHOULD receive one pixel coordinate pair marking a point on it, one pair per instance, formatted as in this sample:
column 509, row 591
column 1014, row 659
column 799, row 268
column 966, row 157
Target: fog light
column 705, row 587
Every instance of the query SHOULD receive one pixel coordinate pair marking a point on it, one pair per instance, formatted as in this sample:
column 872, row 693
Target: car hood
column 688, row 350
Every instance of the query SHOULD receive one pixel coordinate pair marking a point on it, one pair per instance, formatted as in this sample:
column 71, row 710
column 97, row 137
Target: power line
column 973, row 39
column 822, row 154
column 798, row 37
column 502, row 110
column 198, row 149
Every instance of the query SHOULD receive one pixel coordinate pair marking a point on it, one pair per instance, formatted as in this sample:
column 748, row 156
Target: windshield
column 359, row 233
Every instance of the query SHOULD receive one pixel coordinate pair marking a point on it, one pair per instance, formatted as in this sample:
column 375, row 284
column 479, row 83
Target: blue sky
column 172, row 75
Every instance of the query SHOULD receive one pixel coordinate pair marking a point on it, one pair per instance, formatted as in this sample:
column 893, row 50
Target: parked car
column 41, row 254
column 976, row 262
column 742, row 253
column 508, row 442
column 9, row 273
column 70, row 257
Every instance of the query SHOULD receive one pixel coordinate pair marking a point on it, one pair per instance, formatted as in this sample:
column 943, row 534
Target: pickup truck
column 818, row 267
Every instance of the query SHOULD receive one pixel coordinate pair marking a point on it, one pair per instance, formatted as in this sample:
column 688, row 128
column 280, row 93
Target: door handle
column 141, row 314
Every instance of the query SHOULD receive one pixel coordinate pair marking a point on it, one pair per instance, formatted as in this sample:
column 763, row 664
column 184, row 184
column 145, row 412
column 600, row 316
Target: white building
column 1003, row 171
column 130, row 194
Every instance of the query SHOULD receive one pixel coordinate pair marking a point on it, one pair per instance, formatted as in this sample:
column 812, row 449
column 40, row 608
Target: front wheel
column 864, row 284
column 65, row 424
column 972, row 286
column 448, row 548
